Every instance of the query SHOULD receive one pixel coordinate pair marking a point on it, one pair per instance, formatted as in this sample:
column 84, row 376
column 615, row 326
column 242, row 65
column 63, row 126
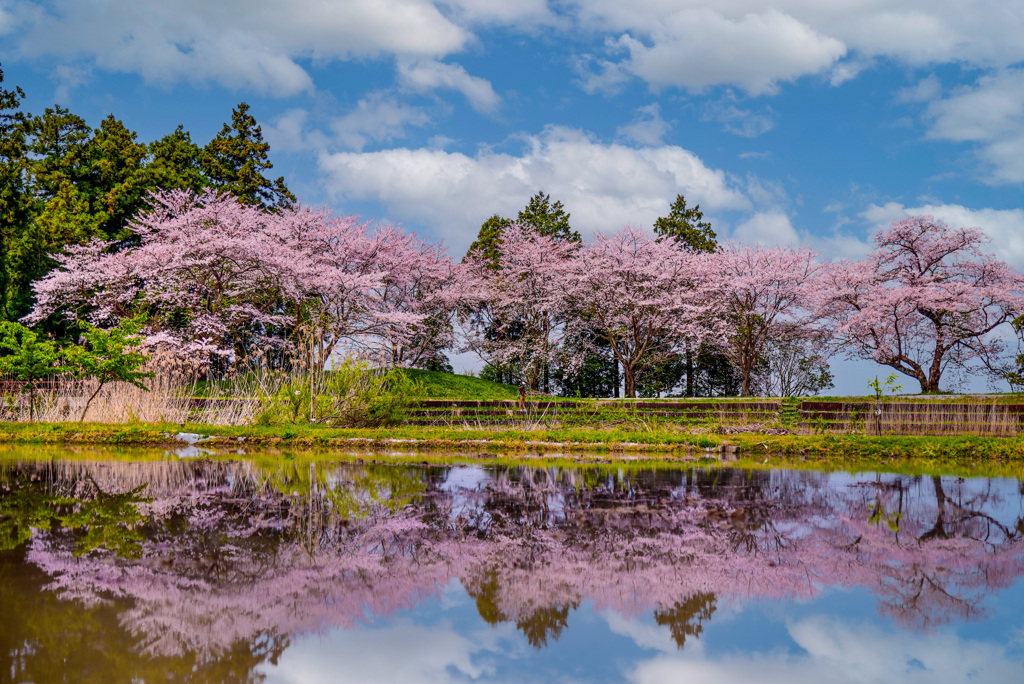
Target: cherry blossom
column 927, row 300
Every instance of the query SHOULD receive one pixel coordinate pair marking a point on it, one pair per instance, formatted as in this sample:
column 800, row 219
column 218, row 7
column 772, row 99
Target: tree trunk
column 615, row 377
column 87, row 403
column 689, row 370
column 630, row 392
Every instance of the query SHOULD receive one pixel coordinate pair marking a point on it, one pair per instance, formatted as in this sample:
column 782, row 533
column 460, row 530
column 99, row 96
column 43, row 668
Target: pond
column 154, row 568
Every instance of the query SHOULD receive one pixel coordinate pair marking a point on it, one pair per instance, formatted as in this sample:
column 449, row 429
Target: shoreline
column 578, row 445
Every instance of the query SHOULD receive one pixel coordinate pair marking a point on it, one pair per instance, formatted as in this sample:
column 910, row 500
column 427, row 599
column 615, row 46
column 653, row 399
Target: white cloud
column 925, row 90
column 7, row 22
column 236, row 43
column 770, row 227
column 742, row 122
column 697, row 48
column 991, row 115
column 426, row 75
column 521, row 13
column 603, row 186
column 68, row 78
column 691, row 44
column 847, row 70
column 379, row 117
column 987, row 112
column 1004, row 226
column 647, row 128
column 287, row 132
column 696, row 43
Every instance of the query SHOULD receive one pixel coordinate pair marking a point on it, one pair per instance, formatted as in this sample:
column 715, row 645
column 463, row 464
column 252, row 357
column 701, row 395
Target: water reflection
column 218, row 571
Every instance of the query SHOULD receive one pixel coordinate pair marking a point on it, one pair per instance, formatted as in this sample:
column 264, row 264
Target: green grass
column 963, row 456
column 435, row 385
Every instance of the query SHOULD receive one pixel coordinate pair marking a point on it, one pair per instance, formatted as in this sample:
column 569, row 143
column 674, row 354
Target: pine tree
column 687, row 226
column 234, row 161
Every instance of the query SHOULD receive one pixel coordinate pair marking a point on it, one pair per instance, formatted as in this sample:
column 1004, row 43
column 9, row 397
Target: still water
column 279, row 570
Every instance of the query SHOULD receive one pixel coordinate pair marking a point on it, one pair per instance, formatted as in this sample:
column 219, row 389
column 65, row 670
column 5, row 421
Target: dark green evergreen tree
column 174, row 162
column 117, row 183
column 60, row 145
column 547, row 218
column 15, row 198
column 488, row 239
column 235, row 160
column 687, row 227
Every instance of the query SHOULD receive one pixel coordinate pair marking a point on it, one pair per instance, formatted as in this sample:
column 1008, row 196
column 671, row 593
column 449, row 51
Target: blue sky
column 811, row 122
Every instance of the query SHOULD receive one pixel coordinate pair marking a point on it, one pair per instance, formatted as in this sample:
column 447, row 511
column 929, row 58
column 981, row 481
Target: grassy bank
column 781, row 448
column 961, row 456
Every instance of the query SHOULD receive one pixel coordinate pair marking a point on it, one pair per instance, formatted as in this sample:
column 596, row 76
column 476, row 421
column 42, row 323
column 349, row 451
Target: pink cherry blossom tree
column 216, row 275
column 520, row 315
column 927, row 300
column 645, row 298
column 417, row 298
column 768, row 293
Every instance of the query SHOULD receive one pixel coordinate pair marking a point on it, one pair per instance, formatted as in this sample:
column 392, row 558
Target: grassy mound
column 435, row 385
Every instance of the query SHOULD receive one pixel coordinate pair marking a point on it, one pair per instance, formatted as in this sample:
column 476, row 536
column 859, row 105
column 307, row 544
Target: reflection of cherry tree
column 932, row 550
column 230, row 553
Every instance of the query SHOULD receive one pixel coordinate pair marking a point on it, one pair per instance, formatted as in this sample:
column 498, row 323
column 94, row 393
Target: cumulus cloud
column 521, row 13
column 1004, row 226
column 698, row 48
column 603, row 186
column 68, row 78
column 377, row 118
column 287, row 132
column 647, row 128
column 771, row 227
column 991, row 115
column 427, row 75
column 741, row 42
column 847, row 70
column 693, row 44
column 236, row 43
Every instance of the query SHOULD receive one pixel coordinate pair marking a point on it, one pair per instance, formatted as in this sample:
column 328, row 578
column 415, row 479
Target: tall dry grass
column 169, row 397
column 986, row 420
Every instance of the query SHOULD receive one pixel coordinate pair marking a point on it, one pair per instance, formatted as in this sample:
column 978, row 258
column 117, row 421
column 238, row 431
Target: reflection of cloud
column 835, row 651
column 428, row 654
column 642, row 633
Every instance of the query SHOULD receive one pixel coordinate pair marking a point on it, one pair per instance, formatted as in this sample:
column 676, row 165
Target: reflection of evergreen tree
column 686, row 618
column 545, row 622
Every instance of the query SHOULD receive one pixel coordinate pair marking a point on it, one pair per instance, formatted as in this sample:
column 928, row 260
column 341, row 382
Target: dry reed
column 986, row 420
